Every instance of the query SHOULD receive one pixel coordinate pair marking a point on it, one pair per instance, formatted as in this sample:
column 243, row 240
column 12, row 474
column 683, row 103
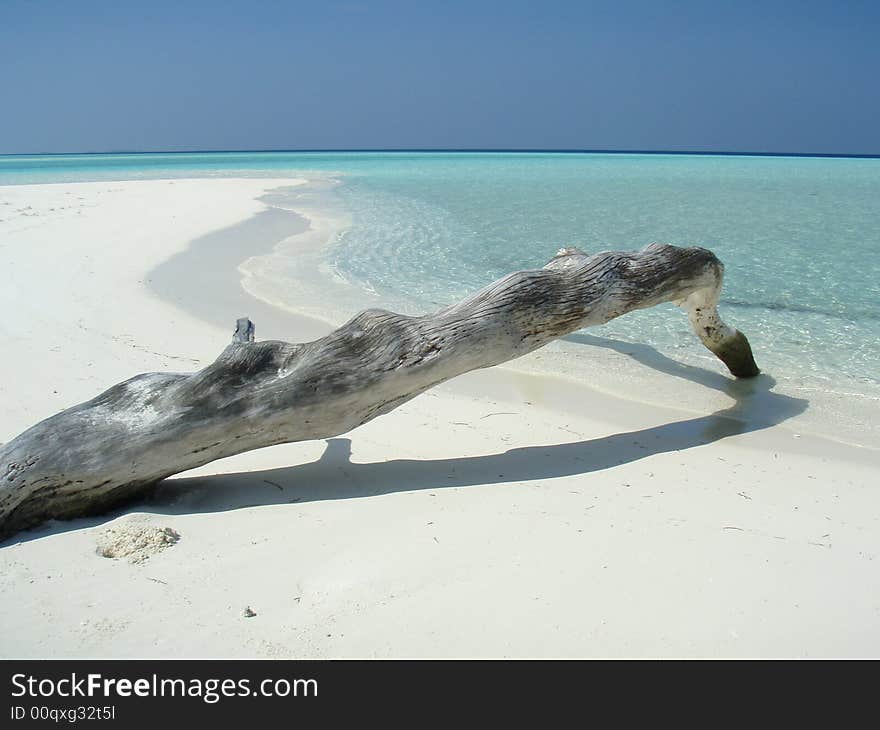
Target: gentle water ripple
column 799, row 236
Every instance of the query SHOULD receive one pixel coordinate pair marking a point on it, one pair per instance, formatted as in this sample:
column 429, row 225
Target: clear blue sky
column 95, row 75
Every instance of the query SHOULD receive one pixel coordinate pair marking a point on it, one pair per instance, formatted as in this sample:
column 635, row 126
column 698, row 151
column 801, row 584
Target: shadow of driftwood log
column 334, row 476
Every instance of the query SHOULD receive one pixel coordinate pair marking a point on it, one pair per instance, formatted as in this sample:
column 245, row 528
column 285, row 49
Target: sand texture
column 503, row 514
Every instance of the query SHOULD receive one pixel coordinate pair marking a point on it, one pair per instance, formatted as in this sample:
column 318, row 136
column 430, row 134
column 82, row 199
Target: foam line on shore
column 204, row 279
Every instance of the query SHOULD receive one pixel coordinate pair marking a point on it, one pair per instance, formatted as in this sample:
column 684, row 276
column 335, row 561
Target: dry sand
column 502, row 514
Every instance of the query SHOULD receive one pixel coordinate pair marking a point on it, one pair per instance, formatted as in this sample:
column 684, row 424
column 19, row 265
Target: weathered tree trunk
column 95, row 455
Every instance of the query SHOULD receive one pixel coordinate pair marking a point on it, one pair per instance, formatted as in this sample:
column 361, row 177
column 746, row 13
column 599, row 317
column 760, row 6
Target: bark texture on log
column 93, row 456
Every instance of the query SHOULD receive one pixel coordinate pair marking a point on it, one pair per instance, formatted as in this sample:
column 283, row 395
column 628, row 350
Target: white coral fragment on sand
column 135, row 542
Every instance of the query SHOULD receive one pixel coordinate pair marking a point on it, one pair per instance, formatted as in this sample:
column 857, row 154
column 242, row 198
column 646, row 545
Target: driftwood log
column 96, row 455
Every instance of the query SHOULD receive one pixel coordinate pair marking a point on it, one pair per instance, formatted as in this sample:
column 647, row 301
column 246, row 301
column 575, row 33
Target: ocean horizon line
column 455, row 150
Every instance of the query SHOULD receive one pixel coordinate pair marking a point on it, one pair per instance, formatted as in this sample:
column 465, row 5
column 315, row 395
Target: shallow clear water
column 800, row 237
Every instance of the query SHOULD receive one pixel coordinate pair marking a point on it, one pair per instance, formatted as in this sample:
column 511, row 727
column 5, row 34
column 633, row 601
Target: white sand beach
column 503, row 514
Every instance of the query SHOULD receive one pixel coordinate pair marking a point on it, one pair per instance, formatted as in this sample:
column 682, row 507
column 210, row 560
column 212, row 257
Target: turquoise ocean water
column 800, row 236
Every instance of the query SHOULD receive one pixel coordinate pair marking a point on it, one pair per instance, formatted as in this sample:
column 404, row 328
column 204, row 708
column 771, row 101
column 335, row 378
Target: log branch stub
column 245, row 331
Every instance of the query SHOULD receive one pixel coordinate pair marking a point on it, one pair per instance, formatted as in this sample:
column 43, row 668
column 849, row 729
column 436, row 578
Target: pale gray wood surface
column 98, row 454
